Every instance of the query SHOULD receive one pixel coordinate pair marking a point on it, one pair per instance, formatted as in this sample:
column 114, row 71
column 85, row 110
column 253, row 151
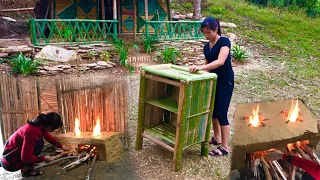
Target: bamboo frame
column 180, row 133
column 114, row 9
column 141, row 111
column 158, row 142
column 164, row 80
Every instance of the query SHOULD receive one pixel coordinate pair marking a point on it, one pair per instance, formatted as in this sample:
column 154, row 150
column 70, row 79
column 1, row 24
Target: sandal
column 214, row 153
column 214, row 142
column 32, row 172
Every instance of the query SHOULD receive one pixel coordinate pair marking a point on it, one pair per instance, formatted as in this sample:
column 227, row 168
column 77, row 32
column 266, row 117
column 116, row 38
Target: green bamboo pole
column 205, row 144
column 181, row 126
column 141, row 111
column 33, row 32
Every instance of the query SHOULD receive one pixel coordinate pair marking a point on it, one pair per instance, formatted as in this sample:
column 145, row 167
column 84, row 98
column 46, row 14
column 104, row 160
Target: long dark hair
column 211, row 23
column 51, row 119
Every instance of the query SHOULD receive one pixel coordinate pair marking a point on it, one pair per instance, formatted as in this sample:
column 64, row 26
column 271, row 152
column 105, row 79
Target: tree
column 196, row 9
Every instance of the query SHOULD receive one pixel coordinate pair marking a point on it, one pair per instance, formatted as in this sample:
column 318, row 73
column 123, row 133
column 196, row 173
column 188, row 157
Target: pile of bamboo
column 257, row 167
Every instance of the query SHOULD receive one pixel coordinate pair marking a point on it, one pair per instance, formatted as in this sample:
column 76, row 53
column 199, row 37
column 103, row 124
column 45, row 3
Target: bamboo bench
column 175, row 108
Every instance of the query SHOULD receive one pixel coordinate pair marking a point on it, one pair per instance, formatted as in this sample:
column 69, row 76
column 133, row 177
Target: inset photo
column 275, row 140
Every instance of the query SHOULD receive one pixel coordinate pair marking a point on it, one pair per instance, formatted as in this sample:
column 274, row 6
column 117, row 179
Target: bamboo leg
column 181, row 127
column 141, row 111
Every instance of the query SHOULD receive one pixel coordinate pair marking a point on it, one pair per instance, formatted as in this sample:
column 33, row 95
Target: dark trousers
column 12, row 166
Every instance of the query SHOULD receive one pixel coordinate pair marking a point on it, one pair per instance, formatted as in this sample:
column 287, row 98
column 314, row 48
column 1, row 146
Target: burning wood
column 77, row 127
column 258, row 168
column 293, row 115
column 97, row 128
column 87, row 151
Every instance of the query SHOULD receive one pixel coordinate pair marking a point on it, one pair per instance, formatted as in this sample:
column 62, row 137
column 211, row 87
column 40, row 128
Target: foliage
column 92, row 55
column 147, row 43
column 105, row 56
column 216, row 10
column 188, row 5
column 2, row 61
column 23, row 64
column 66, row 33
column 123, row 50
column 169, row 55
column 238, row 53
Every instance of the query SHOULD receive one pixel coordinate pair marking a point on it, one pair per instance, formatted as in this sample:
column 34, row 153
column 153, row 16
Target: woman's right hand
column 47, row 159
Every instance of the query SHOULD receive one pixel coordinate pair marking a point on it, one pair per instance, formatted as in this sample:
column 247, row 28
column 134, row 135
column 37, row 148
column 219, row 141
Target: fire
column 294, row 112
column 77, row 127
column 97, row 128
column 254, row 119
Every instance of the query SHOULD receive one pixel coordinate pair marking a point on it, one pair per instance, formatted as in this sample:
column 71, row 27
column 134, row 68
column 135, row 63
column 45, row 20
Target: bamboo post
column 1, row 119
column 205, row 144
column 52, row 9
column 115, row 18
column 135, row 18
column 146, row 17
column 103, row 9
column 141, row 111
column 38, row 95
column 181, row 126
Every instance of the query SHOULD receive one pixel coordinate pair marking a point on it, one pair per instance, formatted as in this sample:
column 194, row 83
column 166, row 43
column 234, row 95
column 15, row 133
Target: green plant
column 169, row 55
column 147, row 43
column 123, row 50
column 238, row 53
column 92, row 55
column 105, row 56
column 216, row 10
column 23, row 64
column 188, row 5
column 2, row 61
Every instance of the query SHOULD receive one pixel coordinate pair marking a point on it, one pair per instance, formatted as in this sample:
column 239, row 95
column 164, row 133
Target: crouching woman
column 22, row 150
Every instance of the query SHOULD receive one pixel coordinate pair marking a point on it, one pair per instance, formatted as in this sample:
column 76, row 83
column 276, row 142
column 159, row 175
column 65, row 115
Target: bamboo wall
column 88, row 100
column 19, row 102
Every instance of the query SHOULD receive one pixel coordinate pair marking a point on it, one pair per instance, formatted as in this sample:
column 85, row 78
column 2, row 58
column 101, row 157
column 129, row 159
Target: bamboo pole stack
column 258, row 168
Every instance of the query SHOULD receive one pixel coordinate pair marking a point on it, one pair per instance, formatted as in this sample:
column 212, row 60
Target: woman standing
column 218, row 60
column 23, row 148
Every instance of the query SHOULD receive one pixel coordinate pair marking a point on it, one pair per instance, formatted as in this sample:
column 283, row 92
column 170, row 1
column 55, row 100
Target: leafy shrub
column 123, row 50
column 23, row 64
column 238, row 53
column 169, row 55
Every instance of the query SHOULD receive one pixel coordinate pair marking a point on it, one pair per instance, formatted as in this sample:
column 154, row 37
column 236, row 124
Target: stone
column 104, row 63
column 42, row 72
column 108, row 144
column 63, row 66
column 3, row 55
column 53, row 53
column 228, row 25
column 179, row 17
column 53, row 72
column 91, row 65
column 47, row 68
column 276, row 133
column 67, row 71
column 190, row 15
column 98, row 67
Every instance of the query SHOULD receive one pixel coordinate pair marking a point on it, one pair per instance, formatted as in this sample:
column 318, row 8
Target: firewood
column 60, row 155
column 266, row 169
column 91, row 167
column 279, row 169
column 54, row 162
column 273, row 172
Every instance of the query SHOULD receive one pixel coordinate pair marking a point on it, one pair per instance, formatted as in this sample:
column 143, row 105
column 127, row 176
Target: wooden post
column 114, row 18
column 181, row 126
column 135, row 18
column 146, row 18
column 119, row 18
column 141, row 111
column 103, row 10
column 52, row 9
column 38, row 95
column 1, row 120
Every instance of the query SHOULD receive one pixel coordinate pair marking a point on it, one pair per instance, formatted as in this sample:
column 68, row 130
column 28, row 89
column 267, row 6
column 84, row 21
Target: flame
column 254, row 119
column 77, row 127
column 294, row 112
column 97, row 128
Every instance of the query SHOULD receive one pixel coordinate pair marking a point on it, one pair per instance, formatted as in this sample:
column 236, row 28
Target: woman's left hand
column 194, row 68
column 66, row 147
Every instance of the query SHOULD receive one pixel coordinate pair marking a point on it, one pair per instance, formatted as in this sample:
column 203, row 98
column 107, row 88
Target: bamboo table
column 175, row 108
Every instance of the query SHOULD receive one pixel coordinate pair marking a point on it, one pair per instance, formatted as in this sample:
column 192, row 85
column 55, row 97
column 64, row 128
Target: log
column 16, row 10
column 91, row 167
column 16, row 49
column 279, row 169
column 53, row 162
column 266, row 170
column 60, row 155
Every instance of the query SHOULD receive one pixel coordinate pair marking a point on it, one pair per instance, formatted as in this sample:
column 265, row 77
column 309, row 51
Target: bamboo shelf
column 175, row 108
column 165, row 103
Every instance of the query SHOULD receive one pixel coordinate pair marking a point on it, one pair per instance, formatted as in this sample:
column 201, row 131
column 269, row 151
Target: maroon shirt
column 20, row 146
column 310, row 167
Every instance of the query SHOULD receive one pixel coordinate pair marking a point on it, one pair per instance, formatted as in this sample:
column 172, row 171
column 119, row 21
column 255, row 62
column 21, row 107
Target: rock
column 112, row 63
column 232, row 38
column 91, row 65
column 104, row 63
column 98, row 67
column 228, row 25
column 53, row 72
column 190, row 15
column 67, row 71
column 63, row 66
column 58, row 54
column 3, row 55
column 179, row 17
column 42, row 72
column 51, row 68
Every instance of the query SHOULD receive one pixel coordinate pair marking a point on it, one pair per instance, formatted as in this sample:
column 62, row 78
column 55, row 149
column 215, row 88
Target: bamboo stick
column 146, row 10
column 266, row 169
column 279, row 169
column 114, row 8
column 121, row 109
column 53, row 162
column 158, row 142
column 91, row 167
column 1, row 114
column 135, row 19
column 163, row 80
column 17, row 9
column 141, row 110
